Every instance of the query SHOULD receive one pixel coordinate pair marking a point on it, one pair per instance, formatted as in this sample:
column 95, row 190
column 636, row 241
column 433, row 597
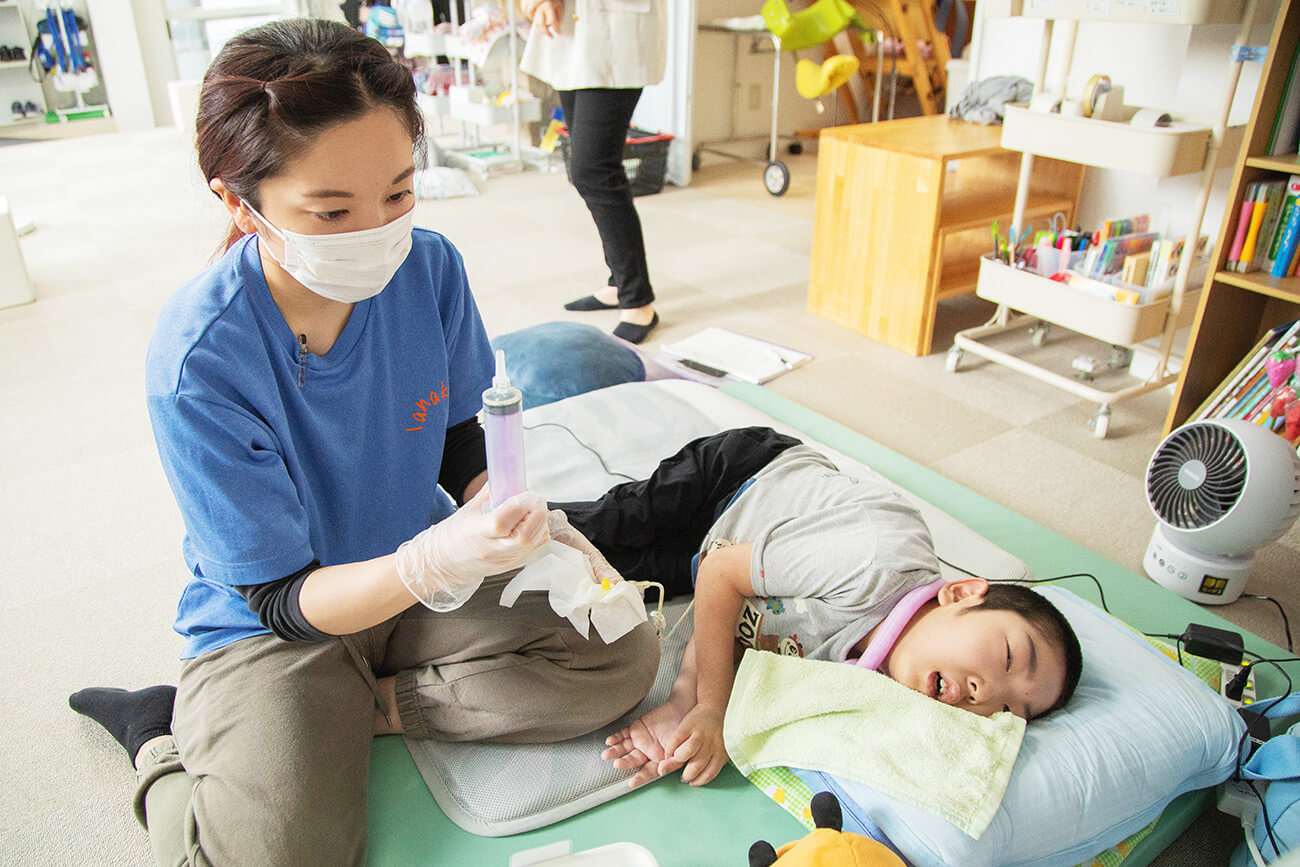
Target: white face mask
column 345, row 266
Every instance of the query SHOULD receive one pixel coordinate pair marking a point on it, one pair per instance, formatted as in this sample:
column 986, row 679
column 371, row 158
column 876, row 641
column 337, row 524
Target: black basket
column 645, row 159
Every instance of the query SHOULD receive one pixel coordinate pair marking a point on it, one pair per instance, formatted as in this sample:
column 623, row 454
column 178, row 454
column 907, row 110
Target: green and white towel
column 861, row 725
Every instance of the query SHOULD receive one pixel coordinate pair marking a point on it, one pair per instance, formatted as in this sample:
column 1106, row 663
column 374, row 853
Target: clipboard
column 721, row 352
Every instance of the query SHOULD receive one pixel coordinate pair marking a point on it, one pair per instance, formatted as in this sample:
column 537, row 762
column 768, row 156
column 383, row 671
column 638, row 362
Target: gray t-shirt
column 833, row 553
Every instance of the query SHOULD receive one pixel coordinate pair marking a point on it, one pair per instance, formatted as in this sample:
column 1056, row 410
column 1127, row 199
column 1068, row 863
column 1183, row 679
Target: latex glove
column 562, row 531
column 445, row 564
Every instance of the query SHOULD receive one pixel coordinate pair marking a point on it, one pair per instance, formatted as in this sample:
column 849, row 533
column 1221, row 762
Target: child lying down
column 786, row 553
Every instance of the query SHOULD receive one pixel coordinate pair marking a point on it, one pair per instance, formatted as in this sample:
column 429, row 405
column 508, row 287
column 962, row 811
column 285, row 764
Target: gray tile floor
column 89, row 559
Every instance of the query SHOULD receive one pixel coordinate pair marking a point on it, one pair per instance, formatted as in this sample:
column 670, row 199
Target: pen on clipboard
column 702, row 368
column 781, row 358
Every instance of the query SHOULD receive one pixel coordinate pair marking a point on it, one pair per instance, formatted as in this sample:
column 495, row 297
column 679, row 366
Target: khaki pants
column 270, row 751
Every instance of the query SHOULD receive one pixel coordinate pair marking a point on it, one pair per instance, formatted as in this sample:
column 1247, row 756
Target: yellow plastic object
column 813, row 80
column 811, row 26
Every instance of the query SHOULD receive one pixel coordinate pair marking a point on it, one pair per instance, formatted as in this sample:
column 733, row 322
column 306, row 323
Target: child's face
column 981, row 661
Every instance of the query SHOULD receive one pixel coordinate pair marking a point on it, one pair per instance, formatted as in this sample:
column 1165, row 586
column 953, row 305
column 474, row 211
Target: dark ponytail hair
column 272, row 89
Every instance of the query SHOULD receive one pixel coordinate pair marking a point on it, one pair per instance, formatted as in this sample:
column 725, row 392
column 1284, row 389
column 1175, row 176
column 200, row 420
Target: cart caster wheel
column 1099, row 424
column 953, row 359
column 776, row 177
column 795, row 147
column 1038, row 334
column 695, row 161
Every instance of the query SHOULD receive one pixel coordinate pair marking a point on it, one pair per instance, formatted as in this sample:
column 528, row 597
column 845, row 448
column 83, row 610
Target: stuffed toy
column 827, row 845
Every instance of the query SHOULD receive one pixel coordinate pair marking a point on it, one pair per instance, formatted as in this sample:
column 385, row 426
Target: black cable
column 1037, row 580
column 1286, row 624
column 604, row 466
column 1263, row 813
column 1100, row 593
column 1268, row 826
column 958, row 568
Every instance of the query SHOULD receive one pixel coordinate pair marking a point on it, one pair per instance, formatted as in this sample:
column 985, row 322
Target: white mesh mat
column 494, row 790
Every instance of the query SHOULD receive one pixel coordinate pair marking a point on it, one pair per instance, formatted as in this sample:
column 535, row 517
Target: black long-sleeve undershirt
column 464, row 457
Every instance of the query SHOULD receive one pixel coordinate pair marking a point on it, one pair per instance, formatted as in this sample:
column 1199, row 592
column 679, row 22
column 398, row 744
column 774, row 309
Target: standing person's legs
column 512, row 675
column 598, row 120
column 269, row 758
column 649, row 530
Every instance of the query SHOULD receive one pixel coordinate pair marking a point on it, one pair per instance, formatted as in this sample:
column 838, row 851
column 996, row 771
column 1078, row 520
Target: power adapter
column 1258, row 730
column 1236, row 799
column 1211, row 643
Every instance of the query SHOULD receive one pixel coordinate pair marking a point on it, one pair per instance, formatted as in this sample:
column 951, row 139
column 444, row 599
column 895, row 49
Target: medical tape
column 1092, row 91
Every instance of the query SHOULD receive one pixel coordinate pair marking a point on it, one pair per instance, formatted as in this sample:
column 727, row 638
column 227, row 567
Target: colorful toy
column 814, row 80
column 827, row 845
column 1280, row 365
column 812, row 26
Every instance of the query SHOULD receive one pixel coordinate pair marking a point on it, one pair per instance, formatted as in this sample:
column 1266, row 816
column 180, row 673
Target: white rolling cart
column 1185, row 146
column 776, row 176
column 466, row 102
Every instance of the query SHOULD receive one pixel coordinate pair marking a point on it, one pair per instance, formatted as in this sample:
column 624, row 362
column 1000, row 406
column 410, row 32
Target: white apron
column 603, row 43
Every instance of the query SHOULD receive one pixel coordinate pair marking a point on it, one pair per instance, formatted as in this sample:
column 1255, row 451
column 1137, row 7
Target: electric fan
column 1221, row 489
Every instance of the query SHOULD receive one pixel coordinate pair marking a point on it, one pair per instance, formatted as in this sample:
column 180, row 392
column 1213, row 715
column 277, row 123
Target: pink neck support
column 892, row 626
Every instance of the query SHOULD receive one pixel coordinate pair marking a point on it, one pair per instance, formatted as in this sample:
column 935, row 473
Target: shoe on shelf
column 17, row 109
column 31, row 109
column 6, row 54
column 19, row 52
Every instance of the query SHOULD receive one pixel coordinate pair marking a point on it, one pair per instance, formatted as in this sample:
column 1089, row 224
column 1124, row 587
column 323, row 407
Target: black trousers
column 598, row 120
column 649, row 530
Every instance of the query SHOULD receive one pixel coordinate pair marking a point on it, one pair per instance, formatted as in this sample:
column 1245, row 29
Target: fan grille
column 1173, row 475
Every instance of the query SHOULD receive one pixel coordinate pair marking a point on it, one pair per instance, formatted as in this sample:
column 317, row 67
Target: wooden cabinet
column 1236, row 309
column 903, row 212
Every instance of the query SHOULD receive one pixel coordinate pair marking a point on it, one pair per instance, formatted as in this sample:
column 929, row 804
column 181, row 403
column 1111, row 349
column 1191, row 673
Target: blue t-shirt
column 276, row 461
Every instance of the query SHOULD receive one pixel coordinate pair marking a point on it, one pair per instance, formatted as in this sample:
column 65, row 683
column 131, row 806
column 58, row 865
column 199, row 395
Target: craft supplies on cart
column 1114, row 136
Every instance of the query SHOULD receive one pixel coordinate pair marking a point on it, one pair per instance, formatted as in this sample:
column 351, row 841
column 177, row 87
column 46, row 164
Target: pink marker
column 503, row 431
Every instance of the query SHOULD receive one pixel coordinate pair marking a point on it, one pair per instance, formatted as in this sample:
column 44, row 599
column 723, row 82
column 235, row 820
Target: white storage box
column 15, row 287
column 1178, row 149
column 471, row 104
column 1100, row 318
column 1144, row 11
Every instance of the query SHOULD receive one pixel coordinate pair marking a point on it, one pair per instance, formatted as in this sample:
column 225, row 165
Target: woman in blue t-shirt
column 313, row 397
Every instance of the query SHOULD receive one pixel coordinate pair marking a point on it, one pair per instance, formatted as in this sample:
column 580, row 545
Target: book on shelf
column 1284, row 138
column 1260, row 206
column 721, row 353
column 1247, row 391
column 1289, row 203
column 1274, row 195
column 1288, row 246
column 1243, row 226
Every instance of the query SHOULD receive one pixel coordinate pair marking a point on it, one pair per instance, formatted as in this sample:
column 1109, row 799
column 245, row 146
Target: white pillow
column 1139, row 732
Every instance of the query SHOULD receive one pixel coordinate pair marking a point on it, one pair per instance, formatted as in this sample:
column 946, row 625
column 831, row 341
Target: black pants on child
column 649, row 530
column 598, row 120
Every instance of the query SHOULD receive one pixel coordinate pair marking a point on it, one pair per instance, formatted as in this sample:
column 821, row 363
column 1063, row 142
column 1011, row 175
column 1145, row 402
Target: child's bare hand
column 697, row 744
column 640, row 746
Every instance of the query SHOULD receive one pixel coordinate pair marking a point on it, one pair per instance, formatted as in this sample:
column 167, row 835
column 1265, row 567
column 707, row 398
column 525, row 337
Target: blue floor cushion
column 555, row 360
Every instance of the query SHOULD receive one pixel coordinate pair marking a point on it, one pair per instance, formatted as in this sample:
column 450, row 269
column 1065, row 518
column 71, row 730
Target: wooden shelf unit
column 1235, row 309
column 903, row 213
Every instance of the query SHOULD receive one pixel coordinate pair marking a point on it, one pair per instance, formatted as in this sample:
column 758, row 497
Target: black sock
column 132, row 718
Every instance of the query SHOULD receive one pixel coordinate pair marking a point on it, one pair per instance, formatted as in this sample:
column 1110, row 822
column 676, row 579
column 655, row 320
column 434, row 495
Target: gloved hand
column 445, row 564
column 563, row 532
